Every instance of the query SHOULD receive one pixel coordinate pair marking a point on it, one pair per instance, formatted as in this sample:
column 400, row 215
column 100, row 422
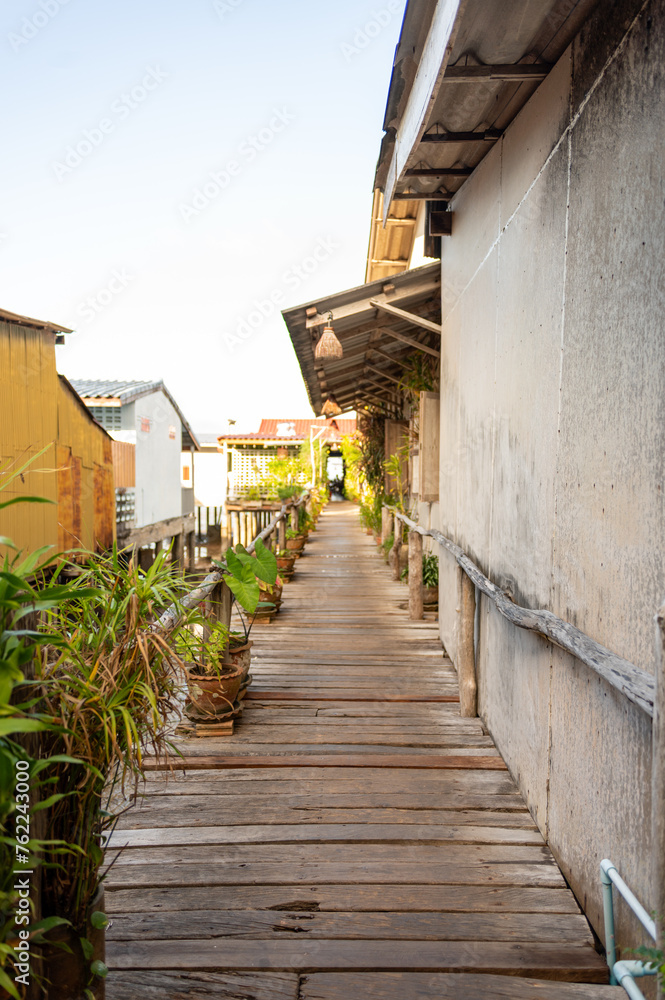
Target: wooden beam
column 412, row 318
column 489, row 135
column 378, row 371
column 377, row 385
column 438, row 172
column 411, row 342
column 422, row 195
column 522, row 71
column 149, row 533
column 389, row 357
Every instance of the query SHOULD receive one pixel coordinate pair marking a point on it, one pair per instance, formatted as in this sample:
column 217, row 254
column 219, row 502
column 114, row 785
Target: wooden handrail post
column 281, row 535
column 466, row 656
column 658, row 793
column 295, row 518
column 219, row 603
column 386, row 520
column 415, row 576
column 393, row 558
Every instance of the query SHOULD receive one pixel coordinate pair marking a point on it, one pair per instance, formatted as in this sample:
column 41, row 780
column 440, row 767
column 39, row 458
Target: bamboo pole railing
column 173, row 615
column 635, row 684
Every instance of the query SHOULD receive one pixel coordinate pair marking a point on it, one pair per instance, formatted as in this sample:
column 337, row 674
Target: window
column 109, row 417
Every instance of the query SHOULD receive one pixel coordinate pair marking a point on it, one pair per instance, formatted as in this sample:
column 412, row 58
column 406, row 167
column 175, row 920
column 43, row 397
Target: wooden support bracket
column 402, row 337
column 412, row 318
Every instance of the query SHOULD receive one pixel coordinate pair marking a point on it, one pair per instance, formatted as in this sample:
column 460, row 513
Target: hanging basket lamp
column 331, row 407
column 328, row 346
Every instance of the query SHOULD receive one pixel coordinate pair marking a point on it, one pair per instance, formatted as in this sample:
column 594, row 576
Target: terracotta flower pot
column 430, row 595
column 241, row 656
column 295, row 544
column 214, row 695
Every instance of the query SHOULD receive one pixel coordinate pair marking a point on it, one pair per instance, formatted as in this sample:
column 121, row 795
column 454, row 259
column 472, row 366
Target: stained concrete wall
column 158, row 451
column 553, row 432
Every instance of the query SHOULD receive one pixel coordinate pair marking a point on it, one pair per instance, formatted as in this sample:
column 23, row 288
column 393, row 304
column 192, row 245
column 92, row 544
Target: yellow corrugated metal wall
column 28, row 422
column 37, row 410
column 86, row 496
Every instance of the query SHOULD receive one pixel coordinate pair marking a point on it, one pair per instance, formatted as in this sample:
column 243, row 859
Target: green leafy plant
column 202, row 644
column 26, row 591
column 430, row 569
column 110, row 686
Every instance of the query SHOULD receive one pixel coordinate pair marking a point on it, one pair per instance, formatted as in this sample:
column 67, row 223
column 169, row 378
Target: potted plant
column 213, row 679
column 295, row 541
column 430, row 579
column 285, row 563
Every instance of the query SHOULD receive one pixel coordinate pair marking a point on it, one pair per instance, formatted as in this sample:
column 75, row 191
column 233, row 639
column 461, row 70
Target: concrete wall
column 553, row 431
column 158, row 450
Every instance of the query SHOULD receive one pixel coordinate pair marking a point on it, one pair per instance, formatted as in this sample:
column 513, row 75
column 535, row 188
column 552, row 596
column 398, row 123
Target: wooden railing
column 213, row 587
column 636, row 684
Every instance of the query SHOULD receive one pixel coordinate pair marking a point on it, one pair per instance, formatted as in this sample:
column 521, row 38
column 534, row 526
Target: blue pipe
column 625, row 974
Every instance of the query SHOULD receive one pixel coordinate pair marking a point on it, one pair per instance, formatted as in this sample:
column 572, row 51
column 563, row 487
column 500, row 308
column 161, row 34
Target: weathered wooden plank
column 332, row 898
column 322, row 873
column 291, row 833
column 370, row 925
column 266, row 695
column 445, row 986
column 208, row 811
column 566, row 962
column 194, row 985
column 327, row 852
column 197, row 758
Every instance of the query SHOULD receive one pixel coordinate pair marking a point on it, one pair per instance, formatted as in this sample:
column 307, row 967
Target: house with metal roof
column 150, row 435
column 50, row 446
column 524, row 144
column 248, row 455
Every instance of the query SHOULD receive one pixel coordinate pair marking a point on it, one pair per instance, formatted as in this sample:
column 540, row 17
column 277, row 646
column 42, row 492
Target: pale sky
column 172, row 170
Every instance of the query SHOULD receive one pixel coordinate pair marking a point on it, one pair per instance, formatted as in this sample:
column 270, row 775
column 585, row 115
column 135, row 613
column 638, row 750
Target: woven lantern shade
column 331, row 408
column 328, row 346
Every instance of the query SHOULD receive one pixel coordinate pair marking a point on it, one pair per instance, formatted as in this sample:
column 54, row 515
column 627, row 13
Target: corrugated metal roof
column 485, row 33
column 294, row 431
column 365, row 333
column 127, row 392
column 39, row 324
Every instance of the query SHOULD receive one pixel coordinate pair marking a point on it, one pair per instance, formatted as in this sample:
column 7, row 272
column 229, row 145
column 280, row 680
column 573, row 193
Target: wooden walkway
column 354, row 837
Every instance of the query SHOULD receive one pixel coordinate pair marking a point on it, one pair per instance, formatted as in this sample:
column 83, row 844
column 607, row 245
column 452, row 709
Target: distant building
column 150, row 434
column 248, row 456
column 41, row 412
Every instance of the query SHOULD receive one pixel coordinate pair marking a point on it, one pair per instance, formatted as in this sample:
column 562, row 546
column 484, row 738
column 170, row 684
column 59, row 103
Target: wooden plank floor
column 354, row 837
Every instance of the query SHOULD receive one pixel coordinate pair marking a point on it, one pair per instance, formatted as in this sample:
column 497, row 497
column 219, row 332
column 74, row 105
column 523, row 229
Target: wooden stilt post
column 219, row 604
column 393, row 558
column 658, row 794
column 386, row 523
column 191, row 551
column 415, row 576
column 466, row 656
column 177, row 550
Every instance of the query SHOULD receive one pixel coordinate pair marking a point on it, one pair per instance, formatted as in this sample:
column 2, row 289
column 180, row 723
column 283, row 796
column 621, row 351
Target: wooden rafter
column 413, row 318
column 411, row 342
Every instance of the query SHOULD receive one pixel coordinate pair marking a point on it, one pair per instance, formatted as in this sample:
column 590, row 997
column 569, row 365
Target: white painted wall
column 553, row 433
